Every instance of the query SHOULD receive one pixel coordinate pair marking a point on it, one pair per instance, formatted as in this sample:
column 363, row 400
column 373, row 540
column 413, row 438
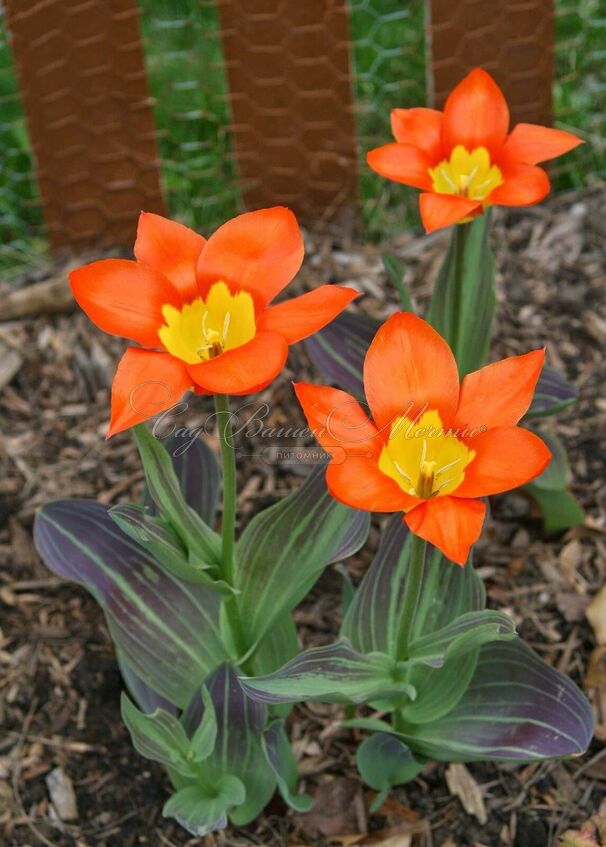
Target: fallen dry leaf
column 338, row 812
column 393, row 836
column 404, row 840
column 392, row 808
column 596, row 669
column 571, row 556
column 463, row 785
column 591, row 834
column 596, row 615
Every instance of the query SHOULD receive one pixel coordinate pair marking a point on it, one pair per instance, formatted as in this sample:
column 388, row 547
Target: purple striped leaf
column 282, row 761
column 241, row 722
column 335, row 673
column 285, row 548
column 339, row 349
column 371, row 623
column 516, row 708
column 145, row 697
column 167, row 631
column 198, row 472
column 372, row 619
column 551, row 395
column 202, row 543
column 460, row 636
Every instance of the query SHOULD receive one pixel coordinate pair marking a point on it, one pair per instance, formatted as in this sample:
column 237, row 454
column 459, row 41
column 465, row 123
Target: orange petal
column 259, row 252
column 499, row 394
column 359, row 483
column 523, row 185
column 337, row 420
column 531, row 144
column 506, row 457
column 440, row 210
column 171, row 249
column 124, row 298
column 244, row 369
column 419, row 127
column 402, row 163
column 146, row 383
column 408, row 364
column 302, row 316
column 450, row 524
column 475, row 114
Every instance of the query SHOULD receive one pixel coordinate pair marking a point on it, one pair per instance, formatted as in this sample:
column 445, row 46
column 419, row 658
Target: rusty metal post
column 290, row 90
column 511, row 39
column 82, row 77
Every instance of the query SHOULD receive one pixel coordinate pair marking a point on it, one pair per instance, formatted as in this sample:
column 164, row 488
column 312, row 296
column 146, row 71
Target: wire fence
column 21, row 235
column 188, row 82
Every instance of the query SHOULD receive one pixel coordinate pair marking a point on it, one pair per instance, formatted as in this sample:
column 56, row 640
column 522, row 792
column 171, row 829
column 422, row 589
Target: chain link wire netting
column 188, row 83
column 389, row 70
column 580, row 89
column 21, row 241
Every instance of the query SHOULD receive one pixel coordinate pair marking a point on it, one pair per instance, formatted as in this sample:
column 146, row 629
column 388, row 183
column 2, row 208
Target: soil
column 59, row 684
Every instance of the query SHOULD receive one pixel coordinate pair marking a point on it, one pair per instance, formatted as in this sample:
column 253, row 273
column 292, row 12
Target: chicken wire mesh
column 188, row 81
column 21, row 240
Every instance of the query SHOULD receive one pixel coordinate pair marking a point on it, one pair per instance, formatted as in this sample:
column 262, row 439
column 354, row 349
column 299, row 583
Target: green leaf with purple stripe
column 516, row 707
column 339, row 349
column 285, row 548
column 282, row 761
column 202, row 543
column 197, row 470
column 335, row 673
column 552, row 394
column 167, row 631
column 449, row 591
column 240, row 724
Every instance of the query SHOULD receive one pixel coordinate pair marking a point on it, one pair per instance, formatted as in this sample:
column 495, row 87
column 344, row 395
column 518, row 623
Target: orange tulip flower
column 464, row 158
column 201, row 309
column 431, row 447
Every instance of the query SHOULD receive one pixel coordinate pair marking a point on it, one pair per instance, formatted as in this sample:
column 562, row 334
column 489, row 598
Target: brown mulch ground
column 59, row 685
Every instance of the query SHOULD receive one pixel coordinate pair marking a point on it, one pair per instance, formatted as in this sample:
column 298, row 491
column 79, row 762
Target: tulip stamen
column 448, row 467
column 403, row 473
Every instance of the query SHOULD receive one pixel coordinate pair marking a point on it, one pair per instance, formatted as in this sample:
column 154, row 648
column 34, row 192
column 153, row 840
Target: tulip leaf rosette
column 190, row 609
column 448, row 678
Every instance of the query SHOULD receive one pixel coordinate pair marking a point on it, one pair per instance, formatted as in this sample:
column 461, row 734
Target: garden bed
column 59, row 684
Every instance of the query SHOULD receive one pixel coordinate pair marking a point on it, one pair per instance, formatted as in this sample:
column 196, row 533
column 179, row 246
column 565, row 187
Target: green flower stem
column 412, row 594
column 408, row 613
column 460, row 237
column 228, row 524
column 228, row 461
column 463, row 301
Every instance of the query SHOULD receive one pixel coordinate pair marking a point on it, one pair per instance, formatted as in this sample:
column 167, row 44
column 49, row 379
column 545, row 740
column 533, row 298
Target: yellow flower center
column 423, row 458
column 203, row 329
column 466, row 174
